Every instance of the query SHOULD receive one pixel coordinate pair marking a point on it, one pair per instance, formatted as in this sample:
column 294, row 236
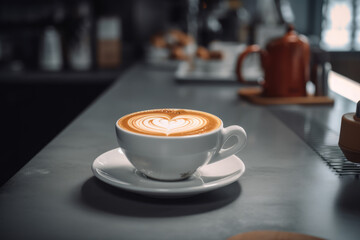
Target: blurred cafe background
column 57, row 57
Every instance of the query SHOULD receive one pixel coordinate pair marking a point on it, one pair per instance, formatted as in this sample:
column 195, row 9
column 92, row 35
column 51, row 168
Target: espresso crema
column 170, row 122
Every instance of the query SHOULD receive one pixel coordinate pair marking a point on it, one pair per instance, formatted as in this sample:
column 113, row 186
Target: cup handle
column 226, row 133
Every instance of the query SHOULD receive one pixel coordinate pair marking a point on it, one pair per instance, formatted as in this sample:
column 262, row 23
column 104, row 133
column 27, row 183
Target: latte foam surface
column 169, row 122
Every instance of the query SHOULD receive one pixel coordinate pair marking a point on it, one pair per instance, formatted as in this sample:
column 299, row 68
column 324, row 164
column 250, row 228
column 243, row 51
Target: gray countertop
column 286, row 185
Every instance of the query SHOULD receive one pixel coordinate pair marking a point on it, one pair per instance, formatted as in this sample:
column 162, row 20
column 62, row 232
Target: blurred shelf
column 76, row 77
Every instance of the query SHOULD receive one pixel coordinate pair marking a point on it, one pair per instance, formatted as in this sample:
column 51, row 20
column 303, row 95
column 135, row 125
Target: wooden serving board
column 272, row 235
column 254, row 95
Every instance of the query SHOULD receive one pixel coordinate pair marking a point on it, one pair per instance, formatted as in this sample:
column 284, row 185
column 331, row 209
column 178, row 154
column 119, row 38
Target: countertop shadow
column 348, row 198
column 101, row 196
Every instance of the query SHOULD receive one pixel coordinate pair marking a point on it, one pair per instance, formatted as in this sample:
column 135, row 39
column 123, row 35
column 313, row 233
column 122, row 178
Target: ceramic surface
column 114, row 168
column 178, row 157
column 286, row 65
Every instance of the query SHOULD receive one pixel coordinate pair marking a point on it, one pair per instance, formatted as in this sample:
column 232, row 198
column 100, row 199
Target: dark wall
column 308, row 16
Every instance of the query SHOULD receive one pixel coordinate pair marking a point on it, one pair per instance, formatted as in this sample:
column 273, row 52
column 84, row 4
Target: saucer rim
column 212, row 185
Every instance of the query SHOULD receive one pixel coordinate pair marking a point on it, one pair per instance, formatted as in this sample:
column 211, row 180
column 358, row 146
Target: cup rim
column 170, row 137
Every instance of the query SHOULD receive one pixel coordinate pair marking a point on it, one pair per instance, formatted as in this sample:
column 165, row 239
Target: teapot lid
column 290, row 27
column 290, row 36
column 290, row 33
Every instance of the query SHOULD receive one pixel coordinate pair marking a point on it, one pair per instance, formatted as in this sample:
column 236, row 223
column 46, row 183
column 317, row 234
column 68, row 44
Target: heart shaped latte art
column 170, row 122
column 165, row 125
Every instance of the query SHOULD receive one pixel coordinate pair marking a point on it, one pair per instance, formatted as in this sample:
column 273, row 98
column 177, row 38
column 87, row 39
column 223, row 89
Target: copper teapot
column 286, row 64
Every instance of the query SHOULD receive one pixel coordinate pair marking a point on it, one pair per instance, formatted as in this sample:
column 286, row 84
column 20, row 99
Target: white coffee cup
column 175, row 158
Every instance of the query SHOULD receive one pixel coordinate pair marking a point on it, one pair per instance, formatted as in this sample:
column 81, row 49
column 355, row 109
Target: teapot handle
column 241, row 58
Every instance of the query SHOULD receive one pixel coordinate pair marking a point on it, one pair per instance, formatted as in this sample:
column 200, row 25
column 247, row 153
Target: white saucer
column 114, row 168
